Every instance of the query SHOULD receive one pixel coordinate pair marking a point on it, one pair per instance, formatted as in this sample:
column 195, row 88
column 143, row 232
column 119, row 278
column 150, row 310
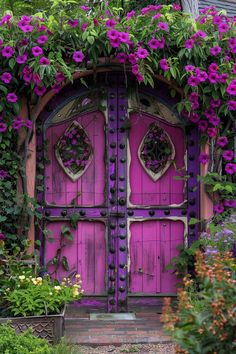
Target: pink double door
column 114, row 171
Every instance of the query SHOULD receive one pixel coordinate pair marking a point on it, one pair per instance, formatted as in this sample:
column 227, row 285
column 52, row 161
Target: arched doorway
column 115, row 162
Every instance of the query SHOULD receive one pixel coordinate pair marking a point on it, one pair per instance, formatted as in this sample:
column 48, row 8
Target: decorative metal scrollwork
column 156, row 151
column 74, row 151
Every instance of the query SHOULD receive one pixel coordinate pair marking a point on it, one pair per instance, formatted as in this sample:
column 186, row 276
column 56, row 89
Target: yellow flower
column 21, row 277
column 57, row 288
column 77, row 276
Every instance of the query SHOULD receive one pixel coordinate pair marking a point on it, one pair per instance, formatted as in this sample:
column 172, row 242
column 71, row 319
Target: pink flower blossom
column 28, row 124
column 230, row 168
column 223, row 78
column 216, row 20
column 189, row 68
column 222, row 141
column 95, row 22
column 40, row 90
column 132, row 58
column 234, row 69
column 130, row 14
column 230, row 203
column 142, row 53
column 213, row 67
column 155, row 17
column 214, row 120
column 110, row 23
column 139, row 77
column 211, row 132
column 26, row 28
column 231, row 89
column 44, row 61
column 73, row 23
column 84, row 26
column 194, row 117
column 8, row 51
column 176, row 7
column 213, row 77
column 202, row 125
column 189, row 43
column 36, row 79
column 115, row 43
column 201, row 34
column 219, row 208
column 11, row 97
column 215, row 103
column 223, row 27
column 85, row 8
column 3, row 127
column 215, row 50
column 56, row 88
column 42, row 39
column 122, row 57
column 21, row 59
column 231, row 105
column 163, row 26
column 228, row 155
column 124, row 37
column 113, row 34
column 5, row 19
column 203, row 158
column 135, row 69
column 78, row 56
column 6, row 77
column 193, row 97
column 164, row 64
column 59, row 77
column 36, row 51
column 17, row 124
column 201, row 75
column 193, row 81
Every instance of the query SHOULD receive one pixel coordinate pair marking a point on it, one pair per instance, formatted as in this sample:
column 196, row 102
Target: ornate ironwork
column 156, row 152
column 74, row 151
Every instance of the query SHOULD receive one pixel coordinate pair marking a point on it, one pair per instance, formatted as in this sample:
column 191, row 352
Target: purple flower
column 36, row 79
column 113, row 34
column 37, row 51
column 8, row 51
column 215, row 50
column 164, row 64
column 163, row 26
column 135, row 69
column 84, row 26
column 213, row 77
column 153, row 43
column 231, row 89
column 44, row 61
column 230, row 168
column 40, row 90
column 201, row 75
column 213, row 67
column 189, row 68
column 122, row 57
column 73, row 23
column 193, row 81
column 21, row 59
column 42, row 39
column 85, row 8
column 17, row 124
column 27, row 77
column 3, row 174
column 59, row 77
column 56, row 88
column 230, row 203
column 115, row 43
column 3, row 127
column 214, row 120
column 110, row 23
column 139, row 77
column 2, row 236
column 211, row 132
column 130, row 15
column 176, row 7
column 219, row 208
column 6, row 77
column 26, row 28
column 5, row 19
column 202, row 125
column 11, row 97
column 223, row 27
column 201, row 34
column 223, row 77
column 189, row 43
column 203, row 158
column 124, row 37
column 215, row 103
column 228, row 155
column 155, row 17
column 28, row 124
column 222, row 141
column 78, row 56
column 142, row 53
column 231, row 105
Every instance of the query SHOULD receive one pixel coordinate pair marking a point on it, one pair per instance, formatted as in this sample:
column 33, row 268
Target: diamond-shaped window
column 74, row 151
column 156, row 152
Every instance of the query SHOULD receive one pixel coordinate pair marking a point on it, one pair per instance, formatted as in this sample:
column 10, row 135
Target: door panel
column 86, row 254
column 166, row 190
column 88, row 190
column 152, row 245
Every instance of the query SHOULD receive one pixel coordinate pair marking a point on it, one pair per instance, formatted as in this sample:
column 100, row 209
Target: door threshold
column 112, row 316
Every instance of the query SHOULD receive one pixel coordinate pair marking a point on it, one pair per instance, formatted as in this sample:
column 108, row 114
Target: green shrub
column 24, row 343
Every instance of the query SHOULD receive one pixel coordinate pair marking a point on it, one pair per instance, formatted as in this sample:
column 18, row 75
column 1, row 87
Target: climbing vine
column 41, row 53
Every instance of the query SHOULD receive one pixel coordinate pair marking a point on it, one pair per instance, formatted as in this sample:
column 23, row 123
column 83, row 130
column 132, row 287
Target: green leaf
column 64, row 263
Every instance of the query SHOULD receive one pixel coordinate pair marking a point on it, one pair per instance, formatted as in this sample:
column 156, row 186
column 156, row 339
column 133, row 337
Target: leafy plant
column 33, row 296
column 206, row 319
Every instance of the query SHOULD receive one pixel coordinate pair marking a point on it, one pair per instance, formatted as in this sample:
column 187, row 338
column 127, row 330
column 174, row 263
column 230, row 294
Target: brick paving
column 145, row 329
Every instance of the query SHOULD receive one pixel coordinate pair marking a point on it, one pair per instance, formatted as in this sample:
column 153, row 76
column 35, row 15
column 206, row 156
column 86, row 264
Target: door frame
column 118, row 299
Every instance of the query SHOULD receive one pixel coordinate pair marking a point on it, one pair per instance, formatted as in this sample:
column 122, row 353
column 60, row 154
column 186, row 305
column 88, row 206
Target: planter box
column 49, row 327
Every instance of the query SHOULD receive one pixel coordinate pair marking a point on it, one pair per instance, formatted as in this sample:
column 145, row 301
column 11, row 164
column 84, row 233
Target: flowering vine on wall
column 41, row 52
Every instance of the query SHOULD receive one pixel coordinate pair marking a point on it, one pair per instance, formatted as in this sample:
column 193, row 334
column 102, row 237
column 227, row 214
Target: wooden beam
column 190, row 6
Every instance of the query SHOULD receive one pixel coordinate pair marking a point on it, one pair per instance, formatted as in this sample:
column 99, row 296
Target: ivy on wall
column 41, row 52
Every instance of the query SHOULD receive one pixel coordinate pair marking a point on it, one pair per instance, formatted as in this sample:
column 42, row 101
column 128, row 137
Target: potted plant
column 28, row 300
